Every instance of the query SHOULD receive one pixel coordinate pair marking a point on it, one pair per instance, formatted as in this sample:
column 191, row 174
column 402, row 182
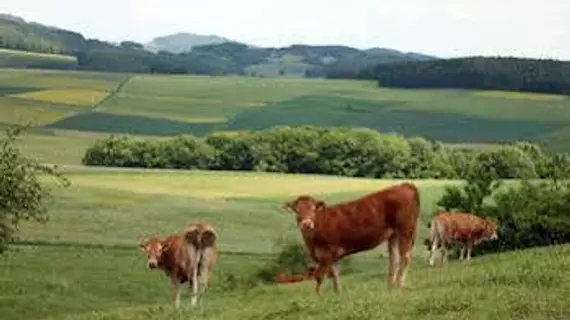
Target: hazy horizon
column 443, row 28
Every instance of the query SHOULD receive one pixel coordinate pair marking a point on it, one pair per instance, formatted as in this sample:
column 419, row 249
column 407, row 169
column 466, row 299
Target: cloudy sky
column 444, row 28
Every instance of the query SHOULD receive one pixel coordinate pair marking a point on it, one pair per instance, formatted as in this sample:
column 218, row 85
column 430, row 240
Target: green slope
column 166, row 105
column 84, row 263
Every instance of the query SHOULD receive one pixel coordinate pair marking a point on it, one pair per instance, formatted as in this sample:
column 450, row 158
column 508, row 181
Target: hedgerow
column 354, row 152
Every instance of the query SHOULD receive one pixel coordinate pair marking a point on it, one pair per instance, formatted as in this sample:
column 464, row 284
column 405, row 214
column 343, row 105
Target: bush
column 531, row 215
column 354, row 152
column 22, row 196
column 292, row 259
column 528, row 214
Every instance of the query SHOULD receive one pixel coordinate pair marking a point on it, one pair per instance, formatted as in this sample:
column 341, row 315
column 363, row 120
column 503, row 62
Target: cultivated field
column 84, row 264
column 161, row 105
column 26, row 59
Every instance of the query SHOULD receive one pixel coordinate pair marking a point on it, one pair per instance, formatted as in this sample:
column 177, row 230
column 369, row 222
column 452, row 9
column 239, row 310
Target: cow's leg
column 469, row 247
column 433, row 248
column 335, row 268
column 195, row 267
column 322, row 269
column 462, row 252
column 393, row 260
column 443, row 252
column 177, row 290
column 204, row 273
column 405, row 246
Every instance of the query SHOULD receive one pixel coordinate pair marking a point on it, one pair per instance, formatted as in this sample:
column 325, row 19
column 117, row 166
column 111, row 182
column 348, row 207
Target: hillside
column 81, row 103
column 95, row 271
column 183, row 42
column 210, row 55
column 484, row 73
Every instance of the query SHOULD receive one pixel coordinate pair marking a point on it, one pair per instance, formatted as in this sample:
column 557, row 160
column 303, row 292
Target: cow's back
column 366, row 222
column 176, row 258
column 202, row 240
column 458, row 226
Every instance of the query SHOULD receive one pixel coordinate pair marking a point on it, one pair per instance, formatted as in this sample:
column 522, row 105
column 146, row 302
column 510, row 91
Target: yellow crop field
column 78, row 97
column 14, row 112
column 520, row 95
column 60, row 81
column 216, row 185
column 37, row 54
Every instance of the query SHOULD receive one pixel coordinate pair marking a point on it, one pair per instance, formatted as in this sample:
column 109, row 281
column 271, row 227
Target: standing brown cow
column 333, row 232
column 185, row 257
column 464, row 228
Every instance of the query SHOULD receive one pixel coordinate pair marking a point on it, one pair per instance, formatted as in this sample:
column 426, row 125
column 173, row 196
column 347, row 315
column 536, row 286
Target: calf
column 185, row 257
column 333, row 232
column 464, row 228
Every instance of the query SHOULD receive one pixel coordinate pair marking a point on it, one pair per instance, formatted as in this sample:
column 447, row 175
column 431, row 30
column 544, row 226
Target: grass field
column 162, row 105
column 43, row 97
column 84, row 263
column 19, row 59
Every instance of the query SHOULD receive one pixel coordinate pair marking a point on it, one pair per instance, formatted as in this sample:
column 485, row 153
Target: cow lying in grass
column 187, row 257
column 332, row 232
column 463, row 228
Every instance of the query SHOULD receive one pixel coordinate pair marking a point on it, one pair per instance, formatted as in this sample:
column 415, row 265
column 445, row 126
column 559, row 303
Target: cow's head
column 154, row 249
column 491, row 229
column 305, row 209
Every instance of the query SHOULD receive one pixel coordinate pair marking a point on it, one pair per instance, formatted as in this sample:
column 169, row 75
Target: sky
column 445, row 28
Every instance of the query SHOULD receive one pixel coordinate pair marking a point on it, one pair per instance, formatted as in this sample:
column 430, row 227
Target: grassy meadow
column 96, row 103
column 84, row 263
column 26, row 59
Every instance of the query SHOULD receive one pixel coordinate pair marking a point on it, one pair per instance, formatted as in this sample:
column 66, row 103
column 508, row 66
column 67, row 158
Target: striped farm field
column 24, row 59
column 45, row 97
column 163, row 105
column 76, row 97
column 18, row 111
column 521, row 95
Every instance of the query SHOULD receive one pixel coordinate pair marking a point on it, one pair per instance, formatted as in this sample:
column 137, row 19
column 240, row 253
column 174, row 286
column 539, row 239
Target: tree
column 22, row 196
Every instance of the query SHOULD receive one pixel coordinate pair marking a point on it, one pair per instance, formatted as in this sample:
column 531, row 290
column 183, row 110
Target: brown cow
column 464, row 228
column 333, row 232
column 185, row 257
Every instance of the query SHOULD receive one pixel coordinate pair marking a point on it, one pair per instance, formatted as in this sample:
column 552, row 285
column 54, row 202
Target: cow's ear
column 287, row 207
column 142, row 246
column 165, row 247
column 321, row 205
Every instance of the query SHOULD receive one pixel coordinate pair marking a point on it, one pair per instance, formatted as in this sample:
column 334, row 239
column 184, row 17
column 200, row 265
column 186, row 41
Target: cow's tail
column 416, row 205
column 435, row 228
column 198, row 242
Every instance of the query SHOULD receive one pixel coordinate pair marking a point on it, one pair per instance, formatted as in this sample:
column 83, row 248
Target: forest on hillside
column 391, row 68
column 214, row 59
column 503, row 73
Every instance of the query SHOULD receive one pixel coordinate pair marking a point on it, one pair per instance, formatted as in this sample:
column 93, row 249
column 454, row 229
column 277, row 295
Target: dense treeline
column 320, row 150
column 516, row 74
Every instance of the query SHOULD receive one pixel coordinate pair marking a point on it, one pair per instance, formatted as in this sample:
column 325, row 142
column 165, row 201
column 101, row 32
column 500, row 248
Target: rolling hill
column 188, row 53
column 74, row 108
column 93, row 270
column 183, row 42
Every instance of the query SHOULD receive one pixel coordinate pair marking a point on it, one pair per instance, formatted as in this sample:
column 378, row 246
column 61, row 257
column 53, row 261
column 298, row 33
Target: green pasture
column 163, row 105
column 42, row 97
column 84, row 263
column 26, row 59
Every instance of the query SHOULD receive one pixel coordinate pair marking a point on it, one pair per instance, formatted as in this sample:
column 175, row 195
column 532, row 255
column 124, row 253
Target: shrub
column 531, row 215
column 293, row 258
column 22, row 196
column 528, row 214
column 354, row 152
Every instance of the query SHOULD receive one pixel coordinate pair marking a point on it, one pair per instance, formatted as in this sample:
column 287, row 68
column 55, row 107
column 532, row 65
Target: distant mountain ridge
column 189, row 53
column 183, row 42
